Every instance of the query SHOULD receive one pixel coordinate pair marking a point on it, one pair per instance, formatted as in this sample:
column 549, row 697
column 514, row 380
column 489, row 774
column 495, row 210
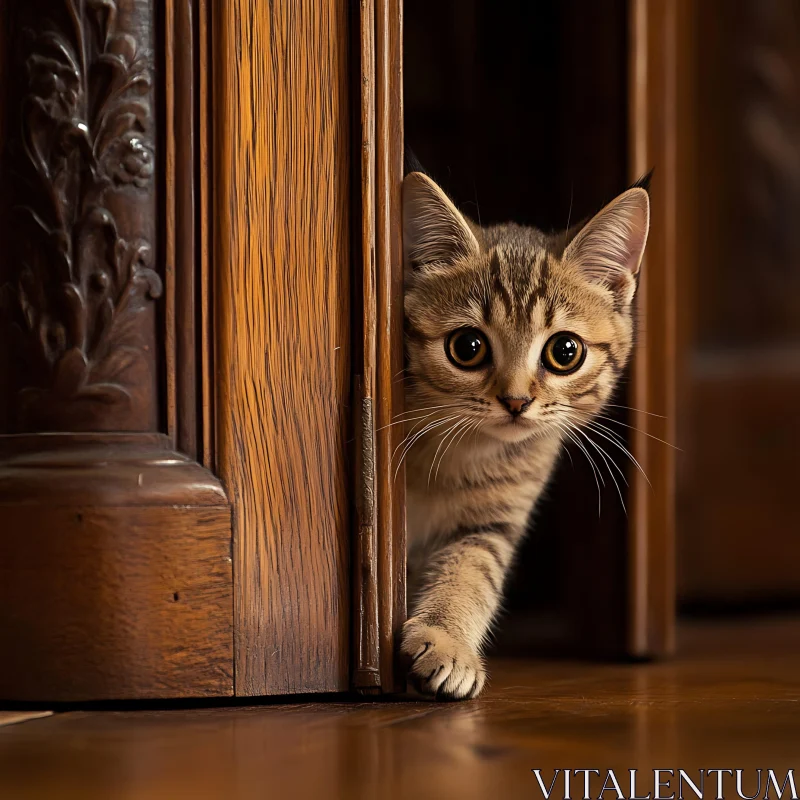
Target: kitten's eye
column 563, row 353
column 467, row 348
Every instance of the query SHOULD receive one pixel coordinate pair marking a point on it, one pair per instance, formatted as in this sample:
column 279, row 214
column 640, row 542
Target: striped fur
column 474, row 470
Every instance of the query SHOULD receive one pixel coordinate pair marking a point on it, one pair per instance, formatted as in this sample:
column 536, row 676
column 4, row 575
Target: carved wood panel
column 79, row 278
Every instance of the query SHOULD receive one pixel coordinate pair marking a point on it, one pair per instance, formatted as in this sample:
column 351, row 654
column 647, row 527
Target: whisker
column 597, row 446
column 623, row 424
column 411, row 435
column 569, row 213
column 609, row 462
column 618, row 444
column 426, row 429
column 405, row 421
column 435, row 423
column 445, row 435
column 464, row 431
column 639, row 430
column 467, row 430
column 427, row 408
column 637, row 410
column 406, row 437
column 476, row 430
column 595, row 471
column 463, row 422
column 577, row 441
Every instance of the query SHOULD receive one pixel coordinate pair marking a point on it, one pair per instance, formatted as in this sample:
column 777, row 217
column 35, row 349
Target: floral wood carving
column 80, row 298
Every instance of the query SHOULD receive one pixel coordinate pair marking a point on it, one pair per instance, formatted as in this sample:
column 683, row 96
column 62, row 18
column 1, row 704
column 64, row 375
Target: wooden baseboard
column 117, row 583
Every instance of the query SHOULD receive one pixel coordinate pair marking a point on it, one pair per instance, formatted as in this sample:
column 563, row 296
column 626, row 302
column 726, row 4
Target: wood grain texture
column 366, row 638
column 379, row 546
column 655, row 53
column 391, row 536
column 113, row 603
column 281, row 166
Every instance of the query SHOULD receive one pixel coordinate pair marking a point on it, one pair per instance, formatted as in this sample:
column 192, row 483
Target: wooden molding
column 380, row 556
column 84, row 469
column 391, row 355
column 655, row 53
column 187, row 173
column 366, row 669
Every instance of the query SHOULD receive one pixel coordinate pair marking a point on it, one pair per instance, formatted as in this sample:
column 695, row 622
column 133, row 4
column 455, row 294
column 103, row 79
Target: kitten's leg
column 454, row 609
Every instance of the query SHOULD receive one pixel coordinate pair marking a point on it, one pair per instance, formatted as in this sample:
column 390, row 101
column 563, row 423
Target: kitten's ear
column 434, row 231
column 610, row 247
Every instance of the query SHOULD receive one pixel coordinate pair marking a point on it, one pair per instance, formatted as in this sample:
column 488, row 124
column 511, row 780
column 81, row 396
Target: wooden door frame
column 658, row 38
column 379, row 575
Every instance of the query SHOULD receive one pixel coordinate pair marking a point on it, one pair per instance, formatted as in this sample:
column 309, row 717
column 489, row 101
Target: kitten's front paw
column 440, row 665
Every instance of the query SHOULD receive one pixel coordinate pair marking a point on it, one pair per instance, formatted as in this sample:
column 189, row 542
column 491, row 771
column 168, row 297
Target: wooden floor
column 732, row 701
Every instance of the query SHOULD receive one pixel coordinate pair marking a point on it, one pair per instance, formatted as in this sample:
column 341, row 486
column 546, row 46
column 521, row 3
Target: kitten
column 511, row 335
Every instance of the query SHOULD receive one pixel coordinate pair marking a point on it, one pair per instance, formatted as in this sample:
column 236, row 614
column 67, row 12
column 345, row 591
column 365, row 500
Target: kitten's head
column 511, row 327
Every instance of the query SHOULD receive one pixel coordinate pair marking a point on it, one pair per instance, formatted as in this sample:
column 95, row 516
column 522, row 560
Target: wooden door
column 739, row 398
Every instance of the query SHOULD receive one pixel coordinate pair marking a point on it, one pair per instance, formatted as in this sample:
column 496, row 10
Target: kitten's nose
column 515, row 405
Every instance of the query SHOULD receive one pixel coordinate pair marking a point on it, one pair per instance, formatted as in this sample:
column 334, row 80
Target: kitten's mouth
column 514, row 429
column 520, row 422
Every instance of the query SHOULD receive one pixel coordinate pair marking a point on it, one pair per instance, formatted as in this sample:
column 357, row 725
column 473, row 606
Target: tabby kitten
column 512, row 336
